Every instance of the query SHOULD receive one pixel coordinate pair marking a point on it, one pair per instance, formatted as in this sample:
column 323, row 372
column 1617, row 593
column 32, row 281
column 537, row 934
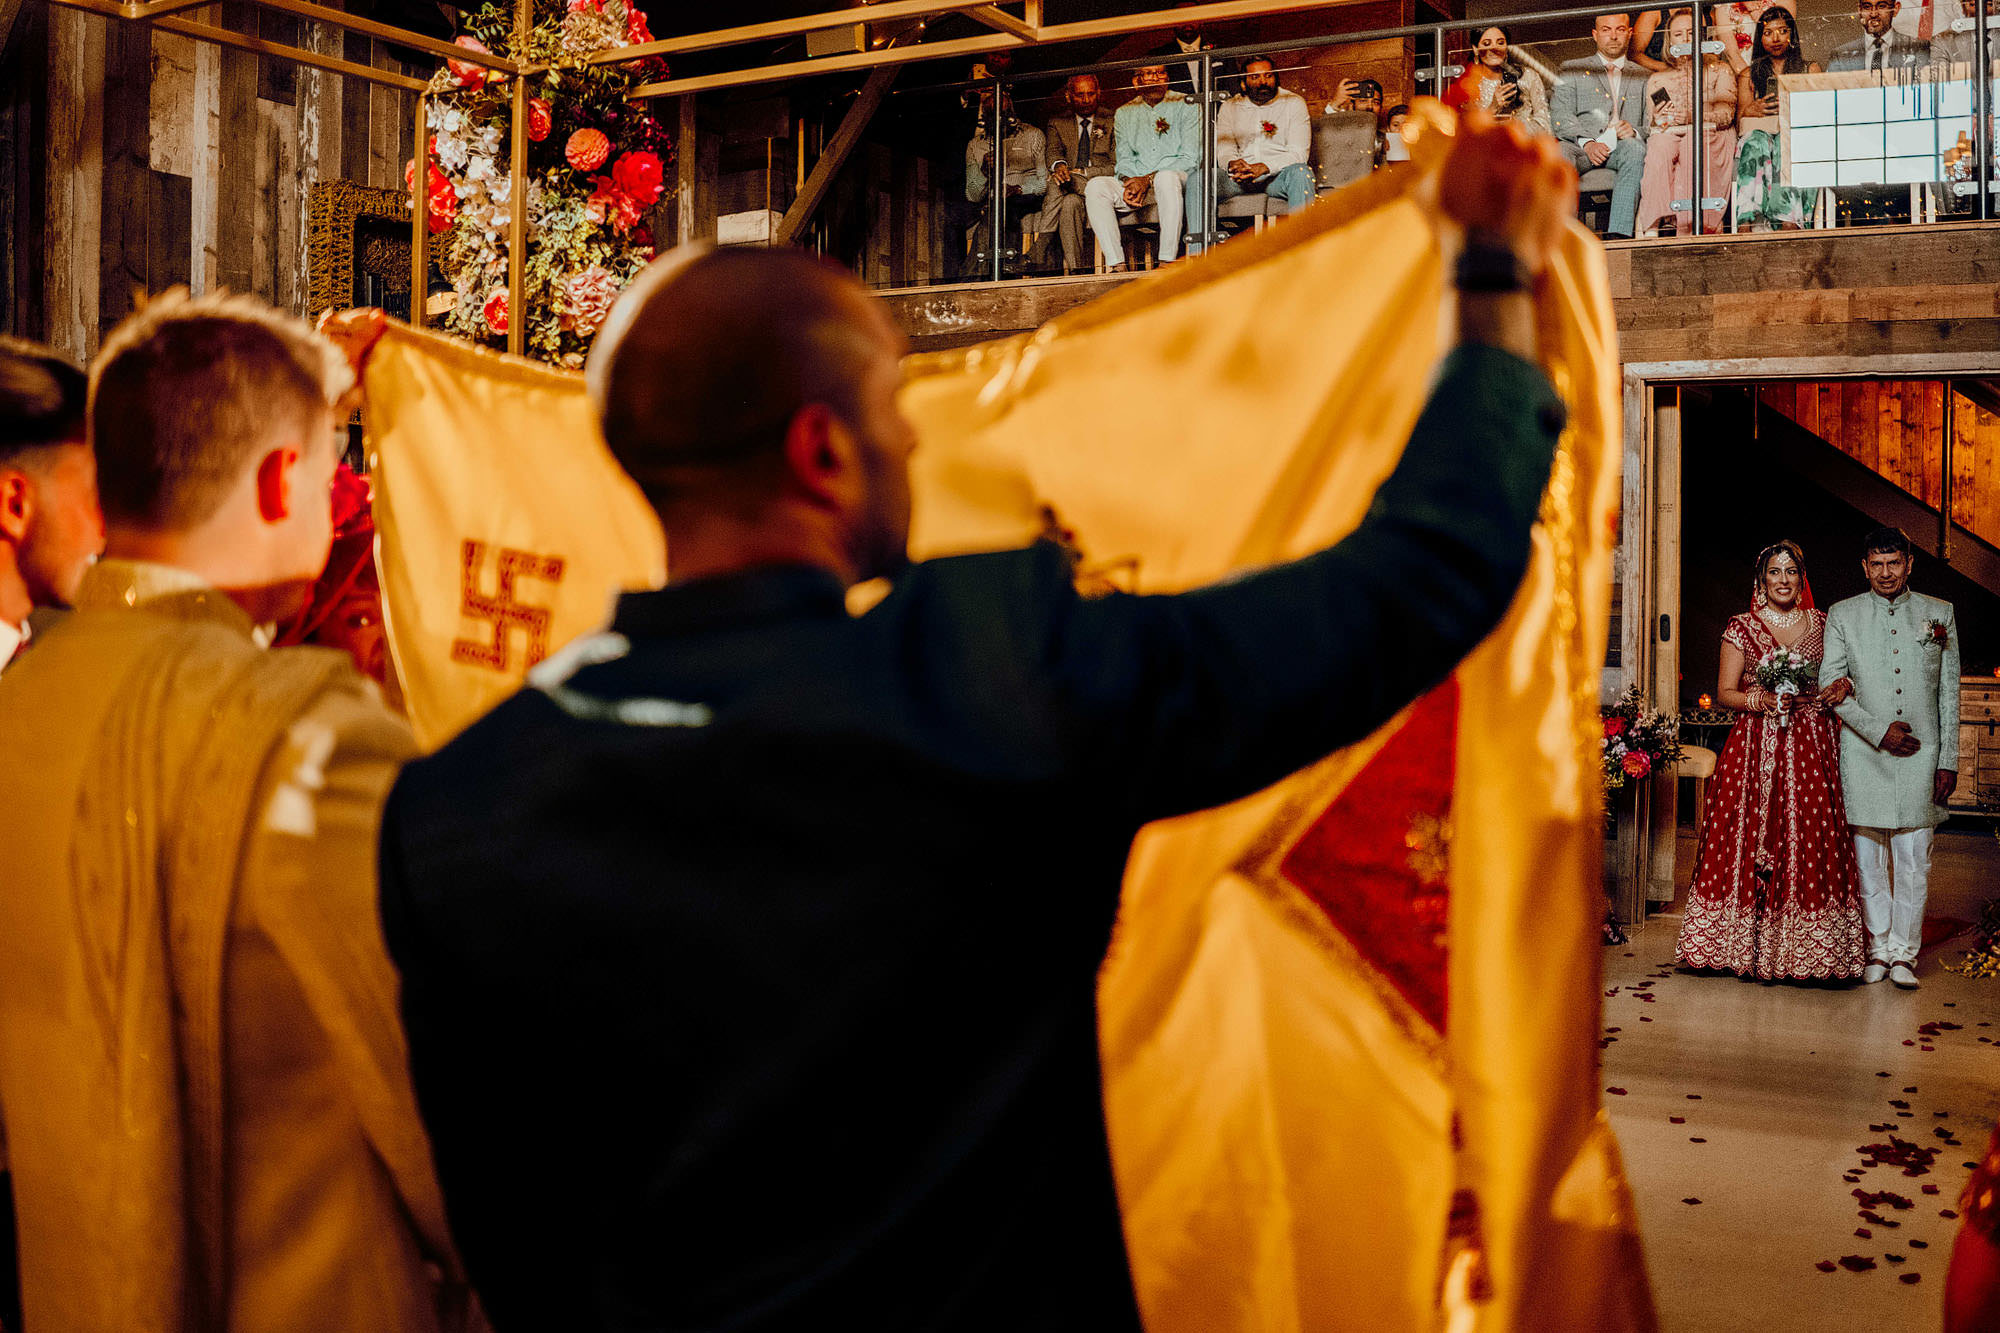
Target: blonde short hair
column 187, row 391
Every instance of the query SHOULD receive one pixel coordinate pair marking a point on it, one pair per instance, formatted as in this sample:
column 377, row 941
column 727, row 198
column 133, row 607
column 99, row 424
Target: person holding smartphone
column 1669, row 173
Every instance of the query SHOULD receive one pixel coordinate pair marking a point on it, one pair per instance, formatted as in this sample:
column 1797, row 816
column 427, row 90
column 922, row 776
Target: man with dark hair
column 1262, row 141
column 202, row 1083
column 777, row 927
column 1600, row 114
column 50, row 528
column 1899, row 747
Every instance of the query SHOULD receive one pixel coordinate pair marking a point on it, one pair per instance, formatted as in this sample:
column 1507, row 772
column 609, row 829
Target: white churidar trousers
column 1104, row 200
column 1893, row 906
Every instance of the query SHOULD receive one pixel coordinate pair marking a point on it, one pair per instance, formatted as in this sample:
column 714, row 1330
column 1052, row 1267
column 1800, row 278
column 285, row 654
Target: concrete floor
column 1778, row 1085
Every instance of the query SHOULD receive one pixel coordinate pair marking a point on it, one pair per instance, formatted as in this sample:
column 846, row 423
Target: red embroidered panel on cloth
column 1376, row 860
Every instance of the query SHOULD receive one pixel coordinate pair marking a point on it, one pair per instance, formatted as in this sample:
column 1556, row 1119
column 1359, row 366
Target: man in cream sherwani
column 1899, row 749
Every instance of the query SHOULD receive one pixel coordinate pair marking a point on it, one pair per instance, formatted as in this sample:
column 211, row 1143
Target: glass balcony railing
column 1806, row 121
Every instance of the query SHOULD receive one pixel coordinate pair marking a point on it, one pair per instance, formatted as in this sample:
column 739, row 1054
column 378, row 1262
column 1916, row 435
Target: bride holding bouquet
column 1776, row 894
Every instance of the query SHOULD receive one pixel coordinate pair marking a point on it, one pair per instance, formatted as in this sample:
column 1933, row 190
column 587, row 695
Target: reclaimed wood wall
column 1896, row 429
column 174, row 161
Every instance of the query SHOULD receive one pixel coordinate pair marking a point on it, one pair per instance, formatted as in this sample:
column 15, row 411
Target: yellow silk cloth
column 1299, row 1144
column 505, row 526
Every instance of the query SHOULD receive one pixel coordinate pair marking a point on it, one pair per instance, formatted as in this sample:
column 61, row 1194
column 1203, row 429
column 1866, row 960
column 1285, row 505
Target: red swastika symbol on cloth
column 501, row 609
column 1377, row 860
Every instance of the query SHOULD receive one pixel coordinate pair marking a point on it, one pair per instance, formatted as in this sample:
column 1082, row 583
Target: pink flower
column 636, row 30
column 587, row 150
column 495, row 311
column 1638, row 764
column 587, row 298
column 639, row 176
column 611, row 203
column 1614, row 727
column 539, row 121
column 468, row 74
column 1269, row 129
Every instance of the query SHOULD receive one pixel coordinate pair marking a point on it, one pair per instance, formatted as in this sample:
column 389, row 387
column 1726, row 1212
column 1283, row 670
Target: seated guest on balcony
column 1358, row 95
column 1600, row 114
column 1670, row 148
column 1157, row 139
column 1515, row 91
column 1649, row 40
column 1958, row 48
column 1880, row 47
column 1393, row 147
column 1079, row 148
column 1763, row 200
column 1262, row 140
column 1023, row 175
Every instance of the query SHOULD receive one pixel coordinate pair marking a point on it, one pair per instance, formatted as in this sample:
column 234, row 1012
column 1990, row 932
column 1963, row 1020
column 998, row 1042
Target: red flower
column 1161, row 126
column 470, row 75
column 1269, row 128
column 636, row 30
column 587, row 150
column 1939, row 634
column 1614, row 727
column 639, row 176
column 1638, row 764
column 495, row 311
column 443, row 209
column 612, row 204
column 539, row 121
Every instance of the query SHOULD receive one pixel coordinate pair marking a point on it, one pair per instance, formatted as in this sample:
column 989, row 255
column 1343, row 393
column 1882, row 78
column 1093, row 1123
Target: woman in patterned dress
column 1776, row 894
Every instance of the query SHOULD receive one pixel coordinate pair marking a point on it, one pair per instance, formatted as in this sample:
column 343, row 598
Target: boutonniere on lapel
column 1270, row 130
column 1161, row 126
column 1937, row 634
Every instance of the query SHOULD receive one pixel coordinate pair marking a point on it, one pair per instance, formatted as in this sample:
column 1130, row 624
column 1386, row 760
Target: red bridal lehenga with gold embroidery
column 1776, row 894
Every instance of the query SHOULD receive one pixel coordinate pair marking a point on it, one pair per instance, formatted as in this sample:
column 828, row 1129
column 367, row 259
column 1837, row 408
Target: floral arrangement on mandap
column 1638, row 741
column 597, row 160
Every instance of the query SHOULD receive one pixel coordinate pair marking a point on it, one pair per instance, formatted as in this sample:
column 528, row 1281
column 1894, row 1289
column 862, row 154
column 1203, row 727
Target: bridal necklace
column 1783, row 619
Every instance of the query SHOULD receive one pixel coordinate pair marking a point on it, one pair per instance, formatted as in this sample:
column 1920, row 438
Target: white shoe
column 1873, row 973
column 1904, row 976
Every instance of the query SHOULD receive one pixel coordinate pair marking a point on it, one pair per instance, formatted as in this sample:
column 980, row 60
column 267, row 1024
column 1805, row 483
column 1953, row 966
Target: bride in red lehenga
column 1776, row 894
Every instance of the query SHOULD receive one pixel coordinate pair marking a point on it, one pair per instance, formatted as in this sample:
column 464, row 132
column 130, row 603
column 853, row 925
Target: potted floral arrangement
column 1638, row 741
column 597, row 160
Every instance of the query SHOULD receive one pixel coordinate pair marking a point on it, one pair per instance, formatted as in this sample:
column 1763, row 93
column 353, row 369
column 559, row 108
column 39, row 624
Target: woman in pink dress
column 1776, row 895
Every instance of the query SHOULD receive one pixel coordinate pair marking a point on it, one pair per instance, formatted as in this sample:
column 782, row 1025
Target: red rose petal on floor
column 1642, row 1017
column 1906, row 1114
column 1906, row 1040
column 1880, row 1073
column 1920, row 1245
column 1930, row 1189
column 1940, row 1113
column 1899, row 1103
column 1694, row 1096
column 1690, row 1200
column 1906, row 1089
column 1697, row 1140
column 1856, row 1263
column 1677, row 1120
column 1616, row 1092
column 1896, row 1258
column 1946, row 1212
column 1910, row 1278
column 1824, row 1265
column 1864, row 1233
column 1609, row 1030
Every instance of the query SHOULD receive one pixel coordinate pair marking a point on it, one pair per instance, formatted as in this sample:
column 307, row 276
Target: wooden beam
column 837, row 149
column 805, row 69
column 1001, row 21
column 1042, row 36
column 156, row 9
column 332, row 64
column 792, row 27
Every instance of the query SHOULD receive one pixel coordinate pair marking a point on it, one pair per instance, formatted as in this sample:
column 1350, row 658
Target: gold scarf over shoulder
column 140, row 732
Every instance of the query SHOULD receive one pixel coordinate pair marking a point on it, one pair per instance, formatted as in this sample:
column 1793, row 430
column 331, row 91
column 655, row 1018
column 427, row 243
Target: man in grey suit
column 1600, row 114
column 1079, row 148
column 1880, row 48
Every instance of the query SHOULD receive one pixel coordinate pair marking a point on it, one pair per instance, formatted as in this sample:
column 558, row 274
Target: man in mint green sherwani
column 1899, row 749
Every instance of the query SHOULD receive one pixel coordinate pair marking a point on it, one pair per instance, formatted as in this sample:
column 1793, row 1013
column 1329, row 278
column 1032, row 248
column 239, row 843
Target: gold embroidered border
column 331, row 209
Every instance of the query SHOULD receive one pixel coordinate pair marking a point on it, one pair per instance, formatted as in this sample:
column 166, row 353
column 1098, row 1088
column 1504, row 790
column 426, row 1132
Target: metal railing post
column 1209, row 187
column 1982, row 108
